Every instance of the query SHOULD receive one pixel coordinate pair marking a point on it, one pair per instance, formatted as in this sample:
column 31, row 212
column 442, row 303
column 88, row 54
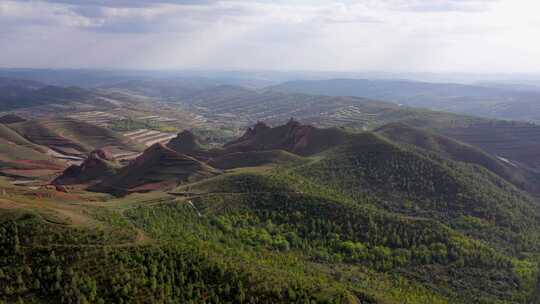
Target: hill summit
column 185, row 142
column 98, row 165
column 292, row 137
column 159, row 167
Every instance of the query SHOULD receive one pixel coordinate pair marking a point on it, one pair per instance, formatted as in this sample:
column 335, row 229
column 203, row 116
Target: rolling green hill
column 403, row 180
column 452, row 149
column 287, row 212
column 515, row 141
column 299, row 215
column 253, row 159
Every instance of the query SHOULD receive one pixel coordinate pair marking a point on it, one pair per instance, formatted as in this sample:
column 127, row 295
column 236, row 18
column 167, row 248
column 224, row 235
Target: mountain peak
column 185, row 142
column 292, row 137
column 158, row 167
column 98, row 165
column 186, row 134
column 101, row 154
column 157, row 146
column 260, row 126
column 156, row 149
column 293, row 123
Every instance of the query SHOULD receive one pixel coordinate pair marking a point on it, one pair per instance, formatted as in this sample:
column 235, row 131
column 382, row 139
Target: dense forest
column 364, row 221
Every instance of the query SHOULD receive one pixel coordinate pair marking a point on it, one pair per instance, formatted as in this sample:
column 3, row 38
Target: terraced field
column 348, row 115
column 237, row 107
column 104, row 119
column 135, row 126
column 499, row 101
column 156, row 118
column 98, row 118
column 149, row 137
column 240, row 107
column 20, row 158
column 69, row 141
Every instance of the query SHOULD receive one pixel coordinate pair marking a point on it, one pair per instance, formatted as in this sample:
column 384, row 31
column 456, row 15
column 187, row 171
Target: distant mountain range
column 239, row 106
column 17, row 94
column 494, row 101
column 489, row 98
column 312, row 198
column 235, row 107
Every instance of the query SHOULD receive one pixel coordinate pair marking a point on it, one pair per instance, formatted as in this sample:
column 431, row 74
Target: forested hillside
column 286, row 214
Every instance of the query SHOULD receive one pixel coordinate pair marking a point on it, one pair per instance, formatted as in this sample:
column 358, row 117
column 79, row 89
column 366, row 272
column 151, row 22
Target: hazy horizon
column 392, row 36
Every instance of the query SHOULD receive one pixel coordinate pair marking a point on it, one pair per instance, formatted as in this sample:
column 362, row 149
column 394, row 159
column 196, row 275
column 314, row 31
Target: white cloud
column 393, row 35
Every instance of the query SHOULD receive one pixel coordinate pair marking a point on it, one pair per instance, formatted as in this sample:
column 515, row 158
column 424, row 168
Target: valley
column 221, row 194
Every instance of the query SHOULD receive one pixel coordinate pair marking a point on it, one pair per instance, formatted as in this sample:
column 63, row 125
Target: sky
column 469, row 36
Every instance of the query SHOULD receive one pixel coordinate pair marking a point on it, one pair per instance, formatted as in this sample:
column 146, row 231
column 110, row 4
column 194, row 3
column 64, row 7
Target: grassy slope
column 368, row 221
column 284, row 236
column 9, row 135
column 332, row 229
column 10, row 151
column 415, row 184
column 452, row 149
column 479, row 208
column 516, row 141
column 93, row 263
column 253, row 159
column 17, row 153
